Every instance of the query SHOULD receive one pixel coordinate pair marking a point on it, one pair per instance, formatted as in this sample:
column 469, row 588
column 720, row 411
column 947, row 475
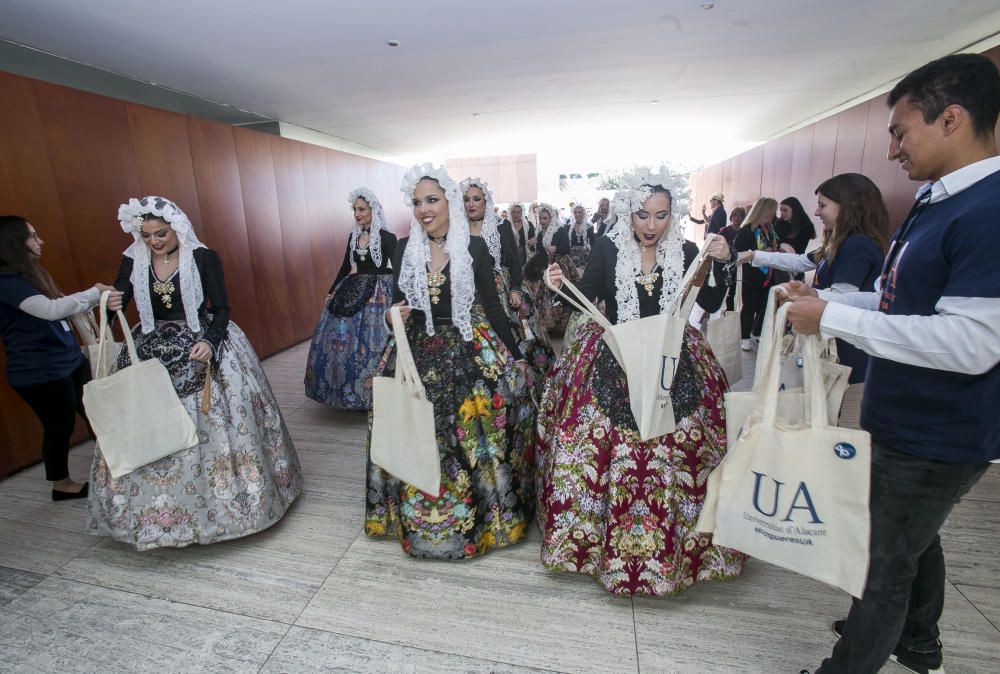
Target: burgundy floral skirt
column 613, row 506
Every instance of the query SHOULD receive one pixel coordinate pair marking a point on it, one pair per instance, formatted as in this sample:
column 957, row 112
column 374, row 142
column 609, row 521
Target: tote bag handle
column 105, row 334
column 766, row 404
column 693, row 278
column 406, row 368
column 578, row 301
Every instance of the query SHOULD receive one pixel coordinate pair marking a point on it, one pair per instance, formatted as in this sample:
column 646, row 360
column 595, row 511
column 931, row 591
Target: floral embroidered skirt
column 554, row 315
column 345, row 350
column 533, row 340
column 485, row 429
column 239, row 479
column 580, row 256
column 612, row 506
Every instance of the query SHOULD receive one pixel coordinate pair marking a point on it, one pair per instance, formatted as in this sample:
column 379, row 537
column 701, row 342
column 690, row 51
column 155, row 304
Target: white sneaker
column 746, row 344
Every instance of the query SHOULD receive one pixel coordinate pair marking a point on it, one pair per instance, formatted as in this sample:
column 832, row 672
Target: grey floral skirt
column 239, row 479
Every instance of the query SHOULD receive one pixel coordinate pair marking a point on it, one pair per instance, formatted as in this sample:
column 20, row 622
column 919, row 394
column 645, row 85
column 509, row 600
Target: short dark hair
column 969, row 80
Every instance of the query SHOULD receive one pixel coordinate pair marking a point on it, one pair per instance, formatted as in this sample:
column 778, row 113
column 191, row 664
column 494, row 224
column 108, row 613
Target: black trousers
column 56, row 403
column 904, row 596
column 754, row 301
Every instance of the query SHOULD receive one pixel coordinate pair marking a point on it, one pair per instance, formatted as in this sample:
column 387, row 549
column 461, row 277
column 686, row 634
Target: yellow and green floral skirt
column 484, row 421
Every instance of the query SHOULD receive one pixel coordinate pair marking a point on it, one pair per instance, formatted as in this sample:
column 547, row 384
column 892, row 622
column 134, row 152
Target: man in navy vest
column 932, row 329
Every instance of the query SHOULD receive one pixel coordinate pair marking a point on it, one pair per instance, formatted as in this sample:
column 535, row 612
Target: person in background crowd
column 351, row 331
column 554, row 240
column 243, row 474
column 717, row 220
column 932, row 333
column 855, row 239
column 469, row 363
column 795, row 229
column 757, row 233
column 607, row 219
column 524, row 232
column 505, row 218
column 736, row 218
column 499, row 240
column 610, row 505
column 581, row 238
column 44, row 363
column 603, row 210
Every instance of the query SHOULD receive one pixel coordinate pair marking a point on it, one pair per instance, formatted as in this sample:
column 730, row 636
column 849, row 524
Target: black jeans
column 754, row 301
column 904, row 595
column 56, row 403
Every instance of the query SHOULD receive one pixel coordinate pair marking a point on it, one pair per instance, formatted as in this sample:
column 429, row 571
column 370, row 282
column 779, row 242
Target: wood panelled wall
column 853, row 140
column 275, row 209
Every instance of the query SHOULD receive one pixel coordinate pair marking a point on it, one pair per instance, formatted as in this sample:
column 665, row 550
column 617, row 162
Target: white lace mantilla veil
column 489, row 232
column 554, row 223
column 669, row 249
column 130, row 216
column 414, row 266
column 378, row 223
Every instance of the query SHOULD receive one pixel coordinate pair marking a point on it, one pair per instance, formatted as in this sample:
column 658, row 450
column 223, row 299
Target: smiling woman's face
column 430, row 207
column 158, row 235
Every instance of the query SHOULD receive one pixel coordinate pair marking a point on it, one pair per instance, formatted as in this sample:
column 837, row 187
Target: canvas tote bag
column 739, row 405
column 404, row 441
column 135, row 412
column 648, row 349
column 723, row 335
column 835, row 376
column 87, row 329
column 796, row 494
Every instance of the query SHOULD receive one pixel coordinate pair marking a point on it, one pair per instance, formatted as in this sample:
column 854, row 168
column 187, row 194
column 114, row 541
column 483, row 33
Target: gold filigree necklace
column 435, row 279
column 165, row 289
column 648, row 281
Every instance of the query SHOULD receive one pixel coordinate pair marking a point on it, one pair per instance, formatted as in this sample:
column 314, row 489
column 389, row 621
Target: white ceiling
column 573, row 77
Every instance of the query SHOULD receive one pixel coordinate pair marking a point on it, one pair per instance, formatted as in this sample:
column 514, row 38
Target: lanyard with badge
column 899, row 241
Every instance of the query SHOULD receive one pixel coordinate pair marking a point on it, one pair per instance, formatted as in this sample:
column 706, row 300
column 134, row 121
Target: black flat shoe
column 70, row 495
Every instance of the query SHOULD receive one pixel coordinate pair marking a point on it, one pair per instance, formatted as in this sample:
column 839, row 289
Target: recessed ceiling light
column 475, row 114
column 654, row 102
column 392, row 43
column 707, row 5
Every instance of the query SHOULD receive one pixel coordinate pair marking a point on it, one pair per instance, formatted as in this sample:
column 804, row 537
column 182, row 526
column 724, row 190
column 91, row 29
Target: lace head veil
column 637, row 188
column 378, row 223
column 131, row 217
column 414, row 267
column 583, row 229
column 554, row 222
column 489, row 232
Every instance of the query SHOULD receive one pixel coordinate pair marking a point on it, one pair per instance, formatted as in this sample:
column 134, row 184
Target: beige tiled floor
column 312, row 594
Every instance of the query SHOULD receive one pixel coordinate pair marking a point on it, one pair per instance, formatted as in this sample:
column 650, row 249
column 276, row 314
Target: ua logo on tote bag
column 795, row 493
column 135, row 412
column 648, row 349
column 404, row 441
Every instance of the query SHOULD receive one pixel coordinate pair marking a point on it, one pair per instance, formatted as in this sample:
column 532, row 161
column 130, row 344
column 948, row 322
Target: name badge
column 66, row 326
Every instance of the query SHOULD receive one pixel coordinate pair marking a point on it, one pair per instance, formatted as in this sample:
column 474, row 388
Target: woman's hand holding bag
column 135, row 412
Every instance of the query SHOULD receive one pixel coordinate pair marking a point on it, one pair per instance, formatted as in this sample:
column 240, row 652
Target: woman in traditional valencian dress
column 244, row 473
column 609, row 504
column 470, row 365
column 581, row 239
column 554, row 247
column 351, row 332
column 484, row 223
